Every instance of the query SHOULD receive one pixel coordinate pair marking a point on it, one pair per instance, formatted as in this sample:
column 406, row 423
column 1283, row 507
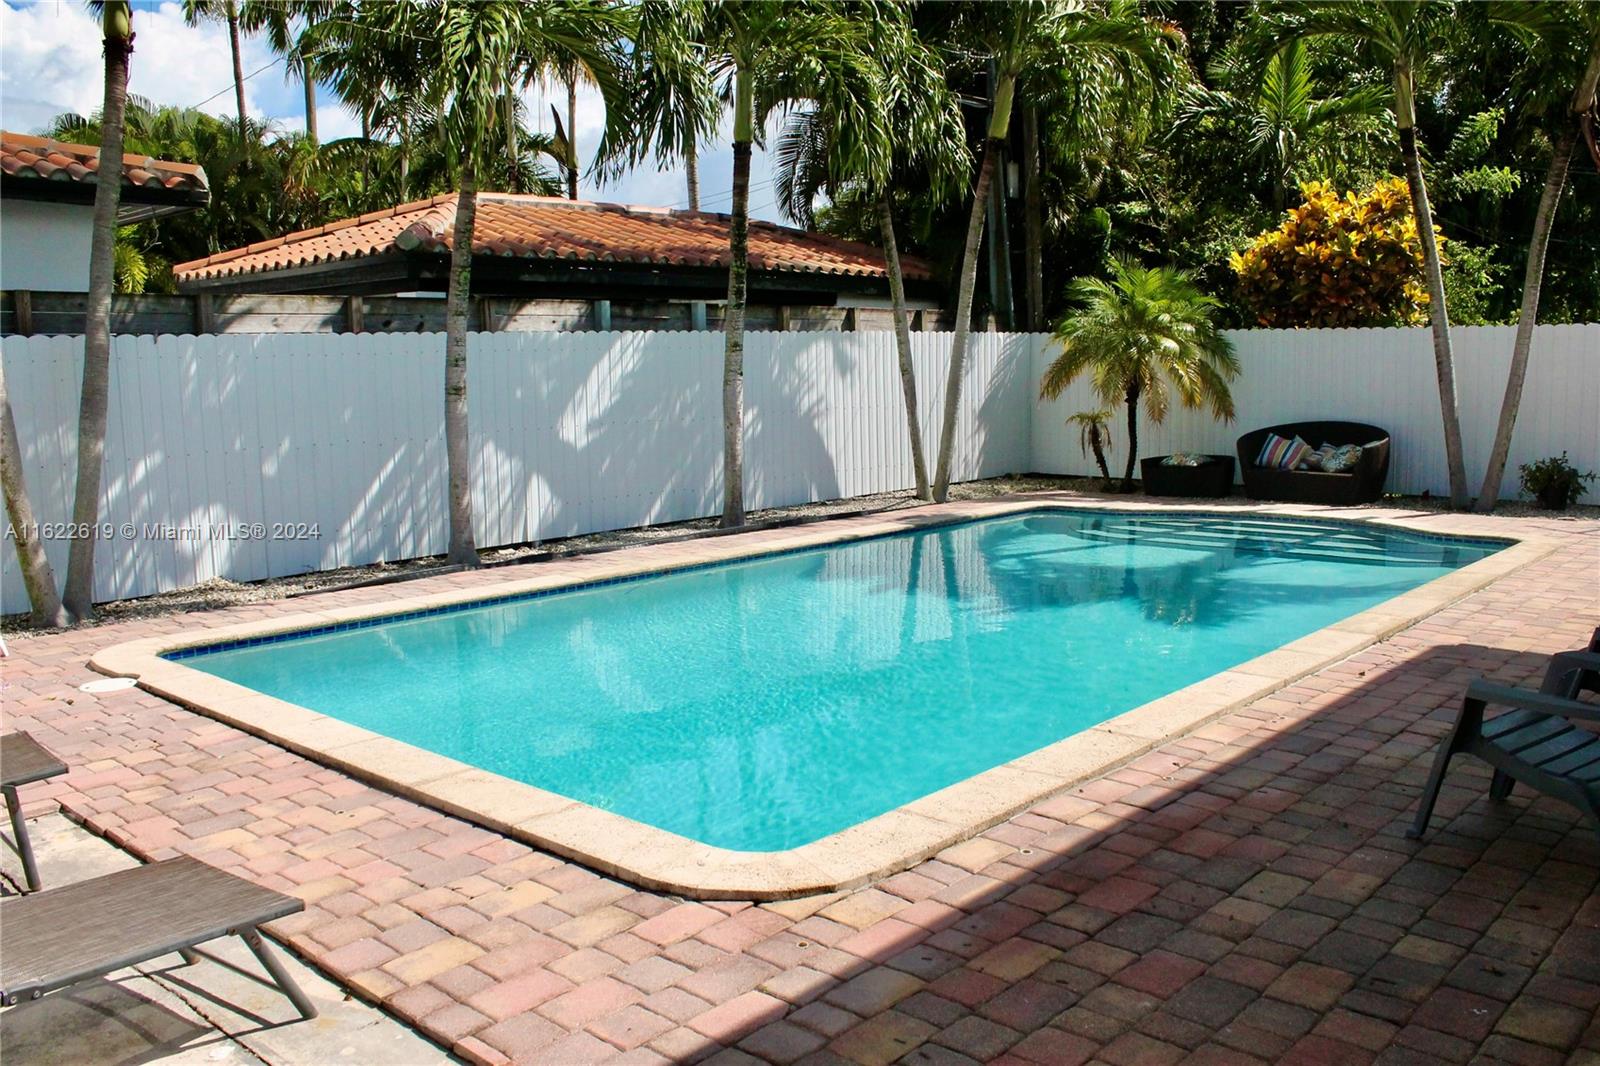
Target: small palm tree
column 1145, row 334
column 1094, row 434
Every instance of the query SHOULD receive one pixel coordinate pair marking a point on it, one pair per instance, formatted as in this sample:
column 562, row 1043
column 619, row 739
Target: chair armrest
column 1587, row 660
column 1529, row 700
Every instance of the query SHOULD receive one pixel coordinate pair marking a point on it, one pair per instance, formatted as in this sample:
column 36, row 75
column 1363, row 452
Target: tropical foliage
column 1147, row 335
column 1153, row 143
column 1351, row 260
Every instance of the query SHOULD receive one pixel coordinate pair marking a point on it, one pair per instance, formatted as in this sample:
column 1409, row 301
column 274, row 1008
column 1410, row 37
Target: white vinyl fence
column 1384, row 377
column 252, row 456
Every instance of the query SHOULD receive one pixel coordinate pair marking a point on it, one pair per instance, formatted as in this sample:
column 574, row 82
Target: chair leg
column 280, row 975
column 1430, row 794
column 1500, row 787
column 24, row 847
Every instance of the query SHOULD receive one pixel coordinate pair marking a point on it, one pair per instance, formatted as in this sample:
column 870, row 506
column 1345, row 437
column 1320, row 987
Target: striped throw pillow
column 1282, row 453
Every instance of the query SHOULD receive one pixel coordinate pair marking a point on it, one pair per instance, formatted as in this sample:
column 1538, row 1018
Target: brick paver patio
column 1241, row 894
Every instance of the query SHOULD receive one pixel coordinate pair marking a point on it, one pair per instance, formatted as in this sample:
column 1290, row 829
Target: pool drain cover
column 107, row 684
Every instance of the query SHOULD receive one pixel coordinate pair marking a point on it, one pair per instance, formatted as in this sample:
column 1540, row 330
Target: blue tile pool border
column 201, row 650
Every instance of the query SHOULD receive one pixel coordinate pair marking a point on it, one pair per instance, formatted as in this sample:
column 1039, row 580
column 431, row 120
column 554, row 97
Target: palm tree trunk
column 308, row 82
column 733, row 321
column 1521, row 348
column 403, row 149
column 366, row 156
column 1438, row 313
column 999, row 123
column 514, row 171
column 958, row 345
column 902, row 340
column 238, row 71
column 37, row 576
column 572, row 137
column 79, row 596
column 457, row 439
column 1097, row 443
column 1583, row 100
column 1133, row 437
column 691, row 163
column 1033, row 219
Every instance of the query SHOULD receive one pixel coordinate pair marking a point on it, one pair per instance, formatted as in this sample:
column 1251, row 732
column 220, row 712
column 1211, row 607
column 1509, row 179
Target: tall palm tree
column 37, row 575
column 227, row 13
column 918, row 128
column 1556, row 35
column 767, row 56
column 1064, row 39
column 475, row 50
column 278, row 20
column 1143, row 335
column 1402, row 37
column 675, row 104
column 1284, row 115
column 116, row 25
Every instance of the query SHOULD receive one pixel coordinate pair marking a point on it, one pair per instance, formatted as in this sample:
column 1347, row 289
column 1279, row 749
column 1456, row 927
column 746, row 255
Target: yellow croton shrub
column 1350, row 260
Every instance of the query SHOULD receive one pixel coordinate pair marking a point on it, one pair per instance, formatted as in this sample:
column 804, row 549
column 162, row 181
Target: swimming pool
column 761, row 705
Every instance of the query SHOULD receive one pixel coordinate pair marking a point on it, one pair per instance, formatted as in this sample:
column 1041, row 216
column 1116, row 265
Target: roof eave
column 137, row 202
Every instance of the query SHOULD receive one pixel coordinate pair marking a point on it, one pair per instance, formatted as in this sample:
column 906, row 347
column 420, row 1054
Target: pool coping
column 664, row 861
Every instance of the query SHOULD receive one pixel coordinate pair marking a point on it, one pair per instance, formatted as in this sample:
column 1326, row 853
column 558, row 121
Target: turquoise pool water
column 761, row 705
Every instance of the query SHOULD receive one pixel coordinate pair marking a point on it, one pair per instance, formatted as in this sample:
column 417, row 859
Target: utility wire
column 229, row 87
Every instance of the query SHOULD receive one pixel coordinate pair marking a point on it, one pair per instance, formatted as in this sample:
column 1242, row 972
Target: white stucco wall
column 44, row 246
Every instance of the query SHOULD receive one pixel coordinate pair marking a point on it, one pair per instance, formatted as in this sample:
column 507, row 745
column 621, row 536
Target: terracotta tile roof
column 40, row 158
column 540, row 227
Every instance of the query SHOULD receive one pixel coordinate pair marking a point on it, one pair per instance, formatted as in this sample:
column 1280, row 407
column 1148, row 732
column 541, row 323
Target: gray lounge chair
column 1537, row 741
column 60, row 936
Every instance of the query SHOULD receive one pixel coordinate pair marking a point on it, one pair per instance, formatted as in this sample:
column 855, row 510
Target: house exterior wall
column 44, row 246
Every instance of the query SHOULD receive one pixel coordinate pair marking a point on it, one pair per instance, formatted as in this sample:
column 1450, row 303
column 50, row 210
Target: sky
column 50, row 62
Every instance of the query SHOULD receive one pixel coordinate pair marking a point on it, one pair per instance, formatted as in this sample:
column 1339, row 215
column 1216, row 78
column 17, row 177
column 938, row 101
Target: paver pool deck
column 1240, row 893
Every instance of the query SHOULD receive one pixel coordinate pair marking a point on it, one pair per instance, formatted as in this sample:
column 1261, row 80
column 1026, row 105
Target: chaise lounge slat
column 52, row 939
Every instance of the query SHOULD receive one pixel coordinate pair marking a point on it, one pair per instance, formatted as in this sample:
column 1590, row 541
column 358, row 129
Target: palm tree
column 1094, row 435
column 674, row 102
column 476, row 50
column 1555, row 34
column 226, row 12
column 37, row 575
column 918, row 127
column 768, row 55
column 116, row 23
column 1143, row 335
column 276, row 19
column 1284, row 121
column 1402, row 37
column 1061, row 39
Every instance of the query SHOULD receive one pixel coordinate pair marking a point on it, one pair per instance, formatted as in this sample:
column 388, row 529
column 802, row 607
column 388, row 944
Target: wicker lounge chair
column 1364, row 484
column 1537, row 741
column 58, row 937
